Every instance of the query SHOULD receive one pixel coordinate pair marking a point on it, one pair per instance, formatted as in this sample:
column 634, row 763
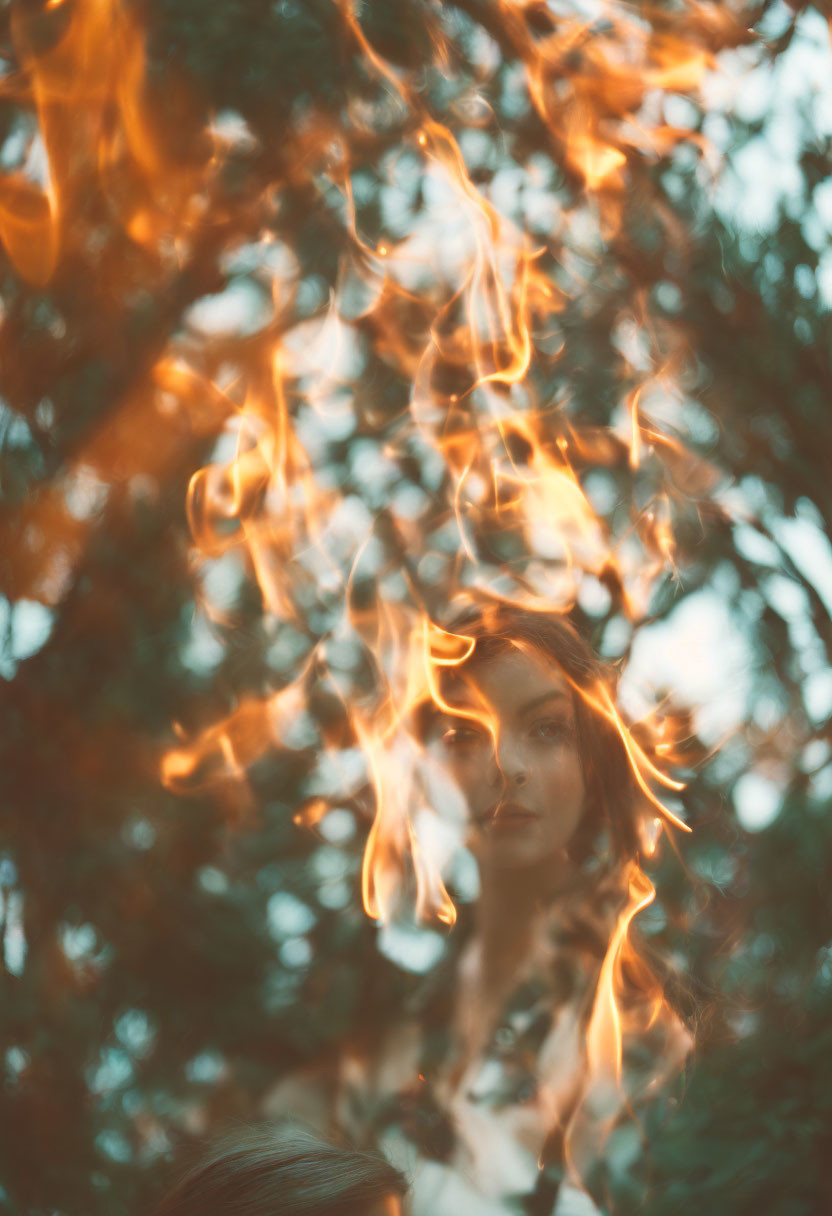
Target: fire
column 628, row 1002
column 604, row 1034
column 392, row 837
column 510, row 465
column 471, row 324
column 462, row 302
column 589, row 81
column 230, row 746
column 98, row 133
column 643, row 768
column 247, row 503
column 398, row 768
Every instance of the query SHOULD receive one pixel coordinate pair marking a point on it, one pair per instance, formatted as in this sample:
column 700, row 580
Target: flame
column 311, row 813
column 471, row 322
column 604, row 1033
column 588, row 83
column 140, row 442
column 464, row 303
column 392, row 837
column 642, row 767
column 628, row 1001
column 248, row 504
column 396, row 766
column 98, row 133
column 228, row 747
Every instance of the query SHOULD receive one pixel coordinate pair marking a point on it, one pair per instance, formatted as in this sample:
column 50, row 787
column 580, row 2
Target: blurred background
column 185, row 191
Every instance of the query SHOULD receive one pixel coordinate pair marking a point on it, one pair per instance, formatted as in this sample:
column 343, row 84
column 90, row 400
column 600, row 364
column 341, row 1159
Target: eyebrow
column 554, row 694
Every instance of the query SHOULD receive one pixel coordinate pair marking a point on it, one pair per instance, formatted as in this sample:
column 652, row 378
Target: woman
column 285, row 1171
column 497, row 1085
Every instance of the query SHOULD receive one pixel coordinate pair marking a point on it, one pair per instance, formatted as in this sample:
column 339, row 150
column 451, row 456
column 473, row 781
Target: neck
column 509, row 903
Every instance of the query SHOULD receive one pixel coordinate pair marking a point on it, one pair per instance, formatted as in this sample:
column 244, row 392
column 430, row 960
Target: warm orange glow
column 469, row 326
column 98, row 132
column 641, row 765
column 311, row 813
column 588, row 84
column 392, row 839
column 604, row 1033
column 395, row 440
column 230, row 746
column 635, row 440
column 597, row 161
column 466, row 331
column 28, row 228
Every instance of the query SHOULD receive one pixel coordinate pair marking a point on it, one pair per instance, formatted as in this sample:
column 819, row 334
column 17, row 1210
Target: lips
column 506, row 817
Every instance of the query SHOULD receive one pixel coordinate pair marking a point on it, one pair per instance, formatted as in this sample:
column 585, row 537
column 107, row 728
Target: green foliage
column 167, row 959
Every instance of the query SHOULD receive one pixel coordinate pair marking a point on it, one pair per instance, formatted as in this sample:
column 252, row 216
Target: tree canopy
column 365, row 232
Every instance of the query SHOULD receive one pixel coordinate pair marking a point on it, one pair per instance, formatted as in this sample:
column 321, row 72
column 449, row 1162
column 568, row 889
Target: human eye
column 550, row 729
column 461, row 736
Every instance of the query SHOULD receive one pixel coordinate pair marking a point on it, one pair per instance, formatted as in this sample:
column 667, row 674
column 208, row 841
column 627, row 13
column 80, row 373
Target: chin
column 516, row 854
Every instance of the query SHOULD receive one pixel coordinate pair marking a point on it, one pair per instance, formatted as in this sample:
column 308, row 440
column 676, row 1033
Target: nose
column 508, row 764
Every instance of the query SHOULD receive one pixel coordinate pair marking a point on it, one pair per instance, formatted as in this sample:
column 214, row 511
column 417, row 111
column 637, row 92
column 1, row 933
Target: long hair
column 281, row 1170
column 611, row 791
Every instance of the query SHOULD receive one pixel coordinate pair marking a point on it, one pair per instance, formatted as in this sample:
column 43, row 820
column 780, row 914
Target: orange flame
column 628, row 1001
column 230, row 746
column 604, row 1034
column 469, row 333
column 98, row 133
column 470, row 318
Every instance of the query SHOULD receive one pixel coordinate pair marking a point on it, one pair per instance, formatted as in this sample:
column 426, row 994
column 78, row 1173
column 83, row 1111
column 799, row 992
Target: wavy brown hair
column 612, row 796
column 281, row 1170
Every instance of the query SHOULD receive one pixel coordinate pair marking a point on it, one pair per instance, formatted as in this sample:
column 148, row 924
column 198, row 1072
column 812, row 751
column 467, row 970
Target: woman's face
column 519, row 768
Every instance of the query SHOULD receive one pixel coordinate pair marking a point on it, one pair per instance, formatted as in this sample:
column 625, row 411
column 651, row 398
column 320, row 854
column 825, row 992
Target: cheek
column 562, row 783
column 568, row 770
column 459, row 759
column 469, row 771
